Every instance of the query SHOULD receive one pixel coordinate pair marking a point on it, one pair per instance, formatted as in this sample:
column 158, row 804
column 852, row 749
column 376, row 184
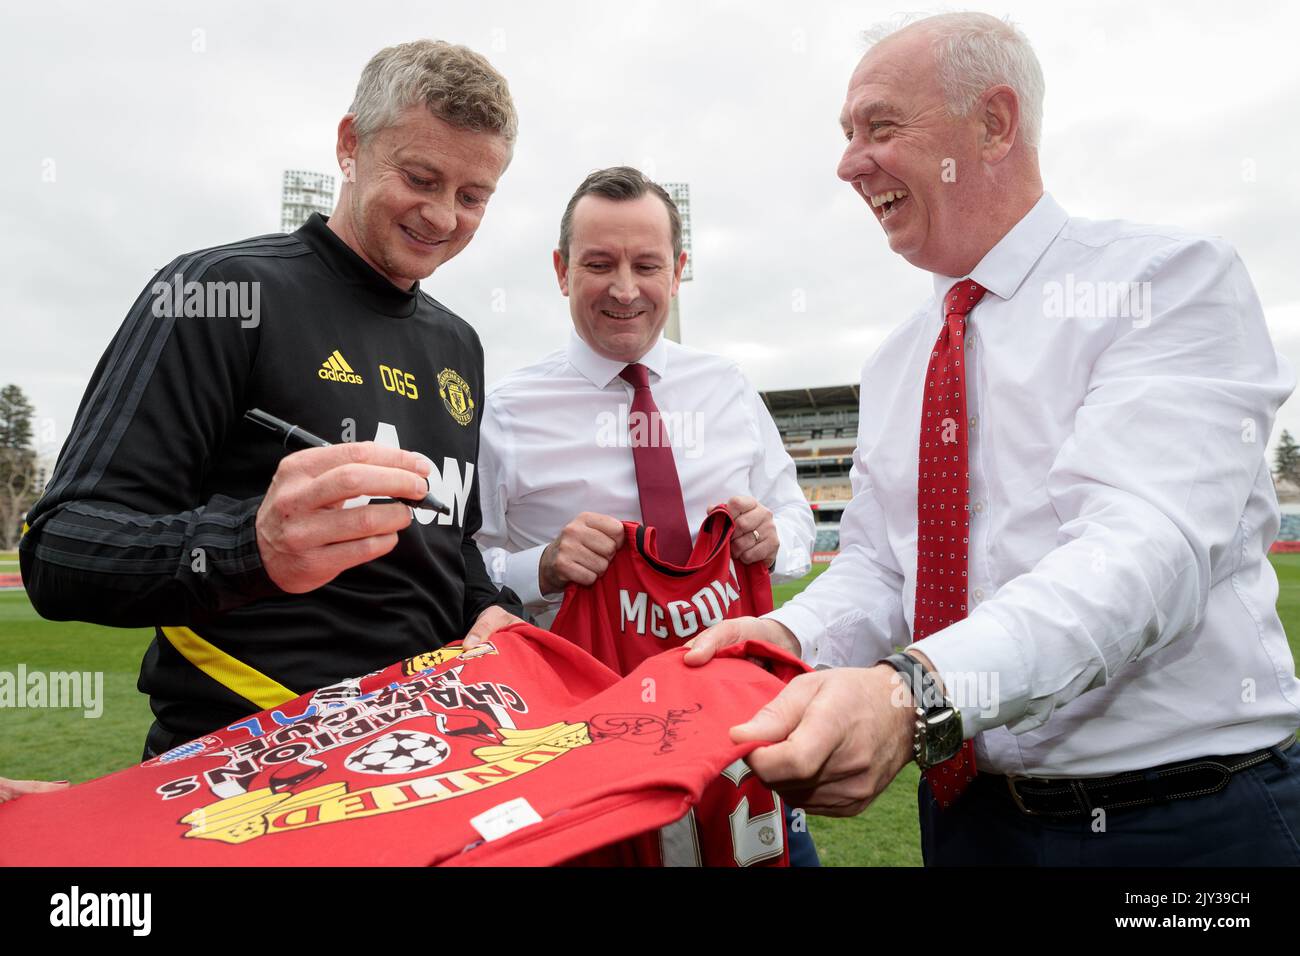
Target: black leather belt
column 1064, row 797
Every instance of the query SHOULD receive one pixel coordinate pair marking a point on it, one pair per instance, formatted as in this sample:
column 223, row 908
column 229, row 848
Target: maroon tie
column 943, row 507
column 656, row 472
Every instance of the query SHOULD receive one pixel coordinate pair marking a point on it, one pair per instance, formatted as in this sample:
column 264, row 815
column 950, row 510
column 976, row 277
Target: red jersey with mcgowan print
column 642, row 606
column 522, row 751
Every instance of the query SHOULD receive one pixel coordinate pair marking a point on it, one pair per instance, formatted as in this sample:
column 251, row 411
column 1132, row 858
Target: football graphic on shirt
column 402, row 751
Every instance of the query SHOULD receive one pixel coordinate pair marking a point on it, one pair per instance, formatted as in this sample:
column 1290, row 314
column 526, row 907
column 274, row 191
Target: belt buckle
column 1015, row 796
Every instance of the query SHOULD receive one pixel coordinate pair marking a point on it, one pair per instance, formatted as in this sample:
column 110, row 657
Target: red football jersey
column 642, row 606
column 523, row 751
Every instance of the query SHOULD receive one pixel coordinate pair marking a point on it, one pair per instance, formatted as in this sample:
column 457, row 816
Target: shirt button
column 977, row 595
column 973, row 419
column 977, row 507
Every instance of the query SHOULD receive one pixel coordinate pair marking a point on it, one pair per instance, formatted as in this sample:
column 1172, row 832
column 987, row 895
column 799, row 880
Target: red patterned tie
column 943, row 507
column 656, row 472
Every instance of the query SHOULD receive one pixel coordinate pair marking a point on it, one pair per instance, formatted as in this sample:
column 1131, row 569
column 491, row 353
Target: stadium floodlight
column 680, row 193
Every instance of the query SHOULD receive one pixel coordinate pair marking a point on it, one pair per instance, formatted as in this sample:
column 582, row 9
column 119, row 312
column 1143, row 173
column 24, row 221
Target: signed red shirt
column 524, row 751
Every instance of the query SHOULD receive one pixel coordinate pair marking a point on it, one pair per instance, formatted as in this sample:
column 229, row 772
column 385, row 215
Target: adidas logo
column 336, row 369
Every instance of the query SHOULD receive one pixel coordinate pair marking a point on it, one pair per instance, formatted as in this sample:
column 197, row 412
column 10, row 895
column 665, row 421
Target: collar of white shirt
column 1004, row 267
column 600, row 371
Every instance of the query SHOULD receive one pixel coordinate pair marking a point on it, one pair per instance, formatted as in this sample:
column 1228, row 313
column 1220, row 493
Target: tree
column 15, row 418
column 1286, row 459
column 19, row 478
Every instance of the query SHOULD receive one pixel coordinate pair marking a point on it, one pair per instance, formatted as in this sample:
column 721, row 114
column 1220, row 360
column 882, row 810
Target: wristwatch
column 938, row 734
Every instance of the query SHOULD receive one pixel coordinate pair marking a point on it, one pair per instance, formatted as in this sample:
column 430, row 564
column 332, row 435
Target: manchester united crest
column 456, row 395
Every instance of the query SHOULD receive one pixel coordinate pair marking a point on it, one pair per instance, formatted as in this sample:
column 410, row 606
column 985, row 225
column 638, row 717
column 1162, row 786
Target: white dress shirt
column 1122, row 610
column 555, row 444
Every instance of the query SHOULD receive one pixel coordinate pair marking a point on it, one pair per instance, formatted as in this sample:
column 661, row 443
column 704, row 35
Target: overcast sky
column 166, row 127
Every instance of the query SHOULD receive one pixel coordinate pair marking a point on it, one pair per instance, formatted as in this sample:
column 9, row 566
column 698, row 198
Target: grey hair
column 455, row 83
column 976, row 51
column 620, row 183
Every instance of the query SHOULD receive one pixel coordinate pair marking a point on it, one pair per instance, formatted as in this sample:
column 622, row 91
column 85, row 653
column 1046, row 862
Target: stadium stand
column 819, row 427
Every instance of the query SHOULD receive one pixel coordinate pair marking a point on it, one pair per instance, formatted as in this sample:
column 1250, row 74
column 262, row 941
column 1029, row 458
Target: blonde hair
column 455, row 83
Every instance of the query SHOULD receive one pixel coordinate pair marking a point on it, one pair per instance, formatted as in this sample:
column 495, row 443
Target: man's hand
column 754, row 537
column 735, row 631
column 843, row 736
column 489, row 621
column 13, row 789
column 305, row 535
column 580, row 553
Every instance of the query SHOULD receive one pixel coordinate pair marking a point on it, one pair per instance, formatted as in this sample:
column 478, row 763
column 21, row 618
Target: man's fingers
column 703, row 647
column 580, row 557
column 594, row 540
column 803, row 744
column 476, row 636
column 573, row 572
column 317, row 461
column 479, row 632
column 570, row 562
column 490, row 621
column 740, row 504
column 13, row 789
column 348, row 481
column 348, row 554
column 790, row 764
column 323, row 528
column 758, row 519
column 607, row 525
column 763, row 551
column 781, row 715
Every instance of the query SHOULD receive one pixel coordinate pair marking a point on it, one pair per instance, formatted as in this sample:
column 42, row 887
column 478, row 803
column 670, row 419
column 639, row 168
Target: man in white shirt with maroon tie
column 570, row 445
column 1060, row 495
column 623, row 424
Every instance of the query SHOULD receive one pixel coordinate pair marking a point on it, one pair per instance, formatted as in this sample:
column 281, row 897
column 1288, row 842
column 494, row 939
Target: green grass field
column 64, row 745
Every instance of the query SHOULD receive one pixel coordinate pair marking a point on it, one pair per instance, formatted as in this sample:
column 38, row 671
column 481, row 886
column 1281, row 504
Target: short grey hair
column 455, row 83
column 974, row 52
column 620, row 183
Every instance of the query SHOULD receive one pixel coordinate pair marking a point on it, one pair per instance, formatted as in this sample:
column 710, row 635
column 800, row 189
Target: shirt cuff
column 983, row 670
column 806, row 627
column 792, row 562
column 521, row 577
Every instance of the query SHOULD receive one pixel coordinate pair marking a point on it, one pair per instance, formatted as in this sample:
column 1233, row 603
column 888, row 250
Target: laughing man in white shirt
column 1098, row 619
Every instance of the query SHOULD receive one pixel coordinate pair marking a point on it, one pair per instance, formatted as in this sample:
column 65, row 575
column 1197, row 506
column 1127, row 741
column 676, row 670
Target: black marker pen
column 301, row 438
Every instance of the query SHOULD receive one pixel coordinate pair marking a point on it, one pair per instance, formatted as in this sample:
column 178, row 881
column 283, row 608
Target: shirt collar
column 600, row 371
column 340, row 258
column 1004, row 267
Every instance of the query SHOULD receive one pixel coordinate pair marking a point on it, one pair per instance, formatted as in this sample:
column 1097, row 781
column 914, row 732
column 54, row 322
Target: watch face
column 942, row 738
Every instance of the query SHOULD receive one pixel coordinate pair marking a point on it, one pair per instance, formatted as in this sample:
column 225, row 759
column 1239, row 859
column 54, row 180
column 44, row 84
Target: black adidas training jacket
column 149, row 516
